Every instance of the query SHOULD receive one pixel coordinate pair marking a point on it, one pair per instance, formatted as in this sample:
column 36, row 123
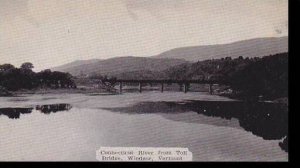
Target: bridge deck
column 165, row 81
column 184, row 83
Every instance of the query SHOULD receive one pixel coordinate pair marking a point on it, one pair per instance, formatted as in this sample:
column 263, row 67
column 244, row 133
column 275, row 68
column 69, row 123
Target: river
column 83, row 123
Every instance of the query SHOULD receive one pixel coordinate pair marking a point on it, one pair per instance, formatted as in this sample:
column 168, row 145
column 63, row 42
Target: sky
column 49, row 33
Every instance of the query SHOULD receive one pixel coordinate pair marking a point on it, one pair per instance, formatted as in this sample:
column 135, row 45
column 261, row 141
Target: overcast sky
column 54, row 32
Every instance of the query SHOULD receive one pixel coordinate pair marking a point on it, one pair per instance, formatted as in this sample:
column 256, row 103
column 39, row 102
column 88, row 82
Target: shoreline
column 58, row 91
column 96, row 91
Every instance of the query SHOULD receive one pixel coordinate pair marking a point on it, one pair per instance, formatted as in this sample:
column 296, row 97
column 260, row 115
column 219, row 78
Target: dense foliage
column 267, row 77
column 215, row 69
column 248, row 77
column 12, row 78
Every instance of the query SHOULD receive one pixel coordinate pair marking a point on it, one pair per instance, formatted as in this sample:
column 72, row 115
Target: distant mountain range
column 248, row 48
column 118, row 65
column 77, row 63
column 133, row 66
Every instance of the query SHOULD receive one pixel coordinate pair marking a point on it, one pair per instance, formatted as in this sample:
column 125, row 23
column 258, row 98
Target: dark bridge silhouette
column 182, row 83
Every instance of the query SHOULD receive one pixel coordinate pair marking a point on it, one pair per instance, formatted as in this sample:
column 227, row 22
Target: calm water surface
column 81, row 124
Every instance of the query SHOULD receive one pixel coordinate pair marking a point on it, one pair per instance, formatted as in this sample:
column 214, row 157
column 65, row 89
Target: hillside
column 248, row 48
column 116, row 66
column 249, row 77
column 75, row 64
column 156, row 66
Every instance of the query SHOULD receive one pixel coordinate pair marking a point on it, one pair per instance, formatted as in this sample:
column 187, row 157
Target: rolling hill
column 75, row 64
column 119, row 65
column 133, row 67
column 248, row 48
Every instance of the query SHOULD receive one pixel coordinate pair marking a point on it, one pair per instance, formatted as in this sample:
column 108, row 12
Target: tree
column 5, row 67
column 13, row 79
column 27, row 66
column 267, row 77
column 228, row 58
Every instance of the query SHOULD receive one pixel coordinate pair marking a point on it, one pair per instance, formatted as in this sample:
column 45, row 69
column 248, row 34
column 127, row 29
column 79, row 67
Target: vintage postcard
column 144, row 80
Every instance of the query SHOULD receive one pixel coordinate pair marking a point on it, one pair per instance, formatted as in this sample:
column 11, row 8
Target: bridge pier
column 162, row 87
column 210, row 89
column 180, row 87
column 140, row 87
column 185, row 87
column 120, row 87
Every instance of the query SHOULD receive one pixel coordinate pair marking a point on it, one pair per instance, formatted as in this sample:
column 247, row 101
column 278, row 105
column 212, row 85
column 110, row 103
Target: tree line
column 13, row 78
column 248, row 77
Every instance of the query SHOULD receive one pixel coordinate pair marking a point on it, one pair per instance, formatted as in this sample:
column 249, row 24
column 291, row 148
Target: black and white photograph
column 144, row 80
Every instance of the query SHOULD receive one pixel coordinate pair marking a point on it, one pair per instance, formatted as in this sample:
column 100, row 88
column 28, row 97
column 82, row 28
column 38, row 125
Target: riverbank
column 59, row 91
column 4, row 92
column 97, row 91
column 283, row 100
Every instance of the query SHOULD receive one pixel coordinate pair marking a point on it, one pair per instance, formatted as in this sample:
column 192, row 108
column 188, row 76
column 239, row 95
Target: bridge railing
column 183, row 83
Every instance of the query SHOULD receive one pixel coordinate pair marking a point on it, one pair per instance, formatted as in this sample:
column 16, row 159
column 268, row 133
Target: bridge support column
column 140, row 87
column 185, row 87
column 162, row 87
column 210, row 90
column 180, row 87
column 120, row 87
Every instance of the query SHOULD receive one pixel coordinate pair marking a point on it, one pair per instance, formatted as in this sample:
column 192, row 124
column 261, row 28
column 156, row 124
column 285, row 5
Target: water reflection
column 267, row 120
column 47, row 109
column 284, row 145
column 14, row 113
